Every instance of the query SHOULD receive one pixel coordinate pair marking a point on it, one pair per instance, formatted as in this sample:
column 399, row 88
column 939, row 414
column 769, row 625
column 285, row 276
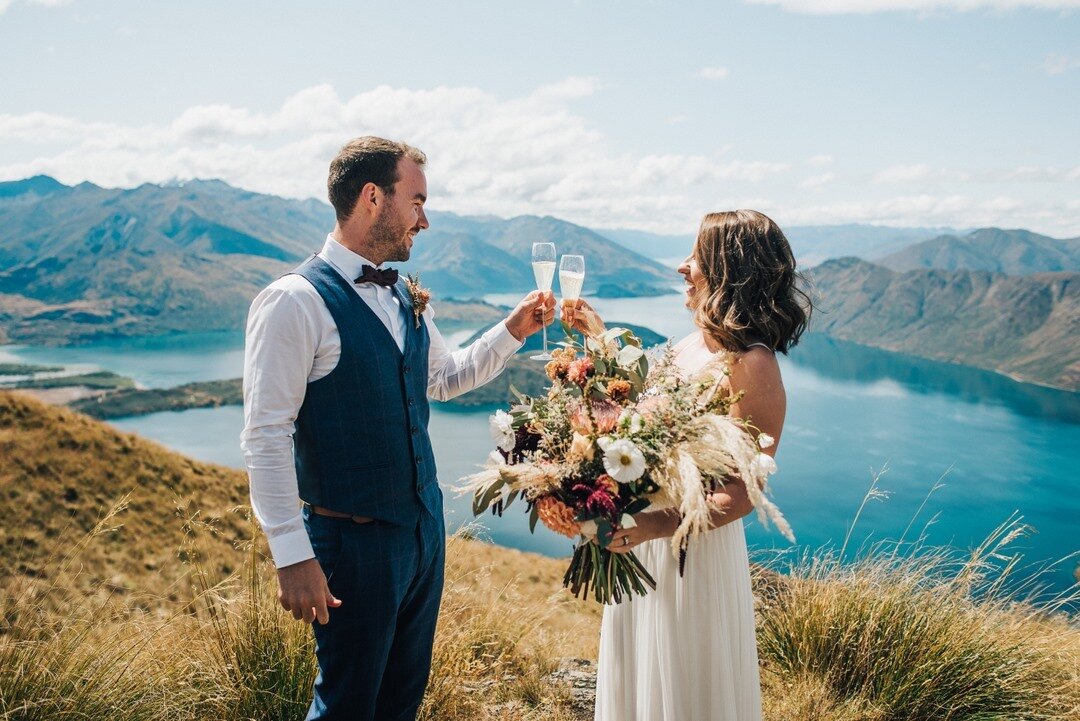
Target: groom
column 340, row 358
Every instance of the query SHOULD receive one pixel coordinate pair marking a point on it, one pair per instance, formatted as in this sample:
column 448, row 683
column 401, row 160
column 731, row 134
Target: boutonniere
column 420, row 295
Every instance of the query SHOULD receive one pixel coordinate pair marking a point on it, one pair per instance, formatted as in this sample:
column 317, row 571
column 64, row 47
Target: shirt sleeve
column 452, row 373
column 281, row 340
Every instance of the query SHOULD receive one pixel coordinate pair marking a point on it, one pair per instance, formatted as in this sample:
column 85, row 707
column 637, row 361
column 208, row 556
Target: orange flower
column 557, row 516
column 618, row 389
column 559, row 364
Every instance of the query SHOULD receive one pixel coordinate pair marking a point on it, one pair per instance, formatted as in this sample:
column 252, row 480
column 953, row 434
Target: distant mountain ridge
column 1014, row 252
column 811, row 244
column 83, row 262
column 1025, row 326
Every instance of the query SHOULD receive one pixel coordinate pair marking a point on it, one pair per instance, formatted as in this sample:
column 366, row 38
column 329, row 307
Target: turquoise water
column 999, row 447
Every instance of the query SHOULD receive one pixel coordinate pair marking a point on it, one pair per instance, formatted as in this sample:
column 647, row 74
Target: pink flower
column 580, row 370
column 604, row 411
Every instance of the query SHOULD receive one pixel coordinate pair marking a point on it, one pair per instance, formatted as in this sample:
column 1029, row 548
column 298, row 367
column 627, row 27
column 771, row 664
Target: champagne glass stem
column 545, row 337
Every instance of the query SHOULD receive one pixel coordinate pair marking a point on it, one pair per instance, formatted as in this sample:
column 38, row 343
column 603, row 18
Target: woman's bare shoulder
column 756, row 366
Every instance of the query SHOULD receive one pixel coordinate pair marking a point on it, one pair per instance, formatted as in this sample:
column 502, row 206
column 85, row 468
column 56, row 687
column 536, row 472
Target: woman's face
column 695, row 281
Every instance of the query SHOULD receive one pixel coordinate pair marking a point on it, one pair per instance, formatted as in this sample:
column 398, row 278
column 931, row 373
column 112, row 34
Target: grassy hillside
column 61, row 471
column 101, row 620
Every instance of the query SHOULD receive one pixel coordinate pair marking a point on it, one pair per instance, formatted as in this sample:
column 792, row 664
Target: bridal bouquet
column 612, row 437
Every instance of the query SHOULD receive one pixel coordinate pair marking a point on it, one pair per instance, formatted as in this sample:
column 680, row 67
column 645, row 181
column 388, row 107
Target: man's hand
column 303, row 591
column 534, row 312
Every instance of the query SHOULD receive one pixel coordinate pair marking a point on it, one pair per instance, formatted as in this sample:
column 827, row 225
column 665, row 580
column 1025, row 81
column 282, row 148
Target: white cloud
column 851, row 7
column 922, row 173
column 917, row 173
column 5, row 4
column 714, row 73
column 816, row 181
column 903, row 174
column 529, row 154
column 1059, row 63
column 956, row 210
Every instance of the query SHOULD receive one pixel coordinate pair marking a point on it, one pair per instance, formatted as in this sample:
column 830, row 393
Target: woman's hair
column 752, row 293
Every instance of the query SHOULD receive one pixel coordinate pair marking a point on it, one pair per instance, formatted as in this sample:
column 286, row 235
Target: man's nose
column 423, row 222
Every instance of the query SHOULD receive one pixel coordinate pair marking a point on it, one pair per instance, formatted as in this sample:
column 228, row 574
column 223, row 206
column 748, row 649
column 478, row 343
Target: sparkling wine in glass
column 571, row 276
column 543, row 264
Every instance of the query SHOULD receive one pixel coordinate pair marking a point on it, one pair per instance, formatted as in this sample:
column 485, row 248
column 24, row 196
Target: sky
column 612, row 114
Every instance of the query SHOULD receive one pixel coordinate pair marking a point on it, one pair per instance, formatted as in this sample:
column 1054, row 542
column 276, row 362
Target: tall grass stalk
column 64, row 656
column 913, row 633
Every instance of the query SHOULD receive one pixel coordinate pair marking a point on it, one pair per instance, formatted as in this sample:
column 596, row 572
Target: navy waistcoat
column 361, row 441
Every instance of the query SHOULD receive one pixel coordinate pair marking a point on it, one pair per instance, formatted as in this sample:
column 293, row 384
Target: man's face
column 402, row 215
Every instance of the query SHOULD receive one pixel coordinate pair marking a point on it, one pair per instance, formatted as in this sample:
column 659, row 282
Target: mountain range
column 84, row 261
column 1015, row 252
column 1025, row 326
column 811, row 244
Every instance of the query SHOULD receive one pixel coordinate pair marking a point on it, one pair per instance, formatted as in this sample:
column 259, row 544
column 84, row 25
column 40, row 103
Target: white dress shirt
column 292, row 340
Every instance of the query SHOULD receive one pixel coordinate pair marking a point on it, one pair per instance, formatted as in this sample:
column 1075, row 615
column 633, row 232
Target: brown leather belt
column 338, row 514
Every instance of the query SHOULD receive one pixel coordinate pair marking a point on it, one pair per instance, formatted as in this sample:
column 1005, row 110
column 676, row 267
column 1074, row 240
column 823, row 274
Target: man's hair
column 364, row 160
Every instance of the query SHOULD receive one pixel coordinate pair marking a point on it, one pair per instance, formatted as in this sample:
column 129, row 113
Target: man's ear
column 370, row 198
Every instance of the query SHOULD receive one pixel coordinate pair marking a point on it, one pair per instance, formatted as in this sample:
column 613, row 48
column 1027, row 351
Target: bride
column 686, row 651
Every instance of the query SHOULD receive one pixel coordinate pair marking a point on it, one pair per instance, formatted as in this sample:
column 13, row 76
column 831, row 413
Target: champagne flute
column 543, row 264
column 571, row 277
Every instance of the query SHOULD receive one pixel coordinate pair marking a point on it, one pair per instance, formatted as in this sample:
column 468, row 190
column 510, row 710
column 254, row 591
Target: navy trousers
column 375, row 653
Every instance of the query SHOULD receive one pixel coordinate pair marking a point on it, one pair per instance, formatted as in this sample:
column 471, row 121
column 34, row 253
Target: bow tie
column 386, row 277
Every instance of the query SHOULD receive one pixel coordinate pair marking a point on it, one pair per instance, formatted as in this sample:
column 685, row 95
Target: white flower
column 631, row 421
column 589, row 529
column 581, row 447
column 765, row 440
column 622, row 459
column 629, row 355
column 501, row 426
column 762, row 465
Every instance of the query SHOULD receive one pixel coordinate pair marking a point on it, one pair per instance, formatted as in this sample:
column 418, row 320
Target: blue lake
column 999, row 447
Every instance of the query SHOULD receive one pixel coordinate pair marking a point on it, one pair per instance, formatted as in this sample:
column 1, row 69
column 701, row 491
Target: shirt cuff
column 501, row 341
column 289, row 548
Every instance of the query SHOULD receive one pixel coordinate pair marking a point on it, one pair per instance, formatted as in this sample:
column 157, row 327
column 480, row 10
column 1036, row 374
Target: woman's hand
column 580, row 316
column 650, row 525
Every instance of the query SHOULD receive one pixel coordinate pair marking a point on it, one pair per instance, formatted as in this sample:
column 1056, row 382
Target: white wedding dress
column 686, row 651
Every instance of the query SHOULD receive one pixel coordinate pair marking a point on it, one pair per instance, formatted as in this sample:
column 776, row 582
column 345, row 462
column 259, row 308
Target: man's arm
column 451, row 374
column 280, row 345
